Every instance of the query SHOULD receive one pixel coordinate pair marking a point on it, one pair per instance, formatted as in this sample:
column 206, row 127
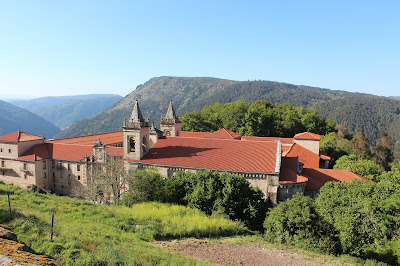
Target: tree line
column 260, row 118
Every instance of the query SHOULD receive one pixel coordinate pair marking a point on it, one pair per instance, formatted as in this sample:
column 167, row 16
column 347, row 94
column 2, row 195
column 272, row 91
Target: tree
column 297, row 222
column 366, row 215
column 106, row 181
column 334, row 146
column 215, row 192
column 365, row 168
column 145, row 185
column 360, row 146
column 384, row 150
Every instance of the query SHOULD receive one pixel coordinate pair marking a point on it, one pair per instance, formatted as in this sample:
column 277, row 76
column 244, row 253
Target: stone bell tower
column 136, row 135
column 170, row 124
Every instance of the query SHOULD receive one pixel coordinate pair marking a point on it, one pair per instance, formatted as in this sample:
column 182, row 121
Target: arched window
column 167, row 133
column 131, row 144
column 144, row 144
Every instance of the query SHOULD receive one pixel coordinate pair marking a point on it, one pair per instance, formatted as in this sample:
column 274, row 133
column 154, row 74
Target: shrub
column 216, row 192
column 296, row 222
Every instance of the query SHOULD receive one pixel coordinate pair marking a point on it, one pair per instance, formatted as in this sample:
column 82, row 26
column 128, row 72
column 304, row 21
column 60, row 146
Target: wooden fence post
column 52, row 226
column 9, row 205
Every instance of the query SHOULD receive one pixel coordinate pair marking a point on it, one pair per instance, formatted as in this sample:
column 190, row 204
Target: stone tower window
column 167, row 133
column 131, row 144
column 144, row 144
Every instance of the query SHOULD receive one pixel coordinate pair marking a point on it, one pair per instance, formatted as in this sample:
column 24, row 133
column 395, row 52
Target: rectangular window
column 2, row 163
column 54, row 175
column 60, row 175
column 25, row 166
column 9, row 150
column 44, row 175
column 53, row 164
column 69, row 176
column 1, row 150
column 78, row 167
column 60, row 165
column 69, row 166
column 24, row 176
column 79, row 177
column 44, row 164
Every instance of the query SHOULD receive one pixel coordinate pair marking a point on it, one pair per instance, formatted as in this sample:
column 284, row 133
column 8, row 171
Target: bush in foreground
column 296, row 222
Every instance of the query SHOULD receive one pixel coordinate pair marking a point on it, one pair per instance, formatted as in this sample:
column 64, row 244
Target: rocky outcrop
column 12, row 251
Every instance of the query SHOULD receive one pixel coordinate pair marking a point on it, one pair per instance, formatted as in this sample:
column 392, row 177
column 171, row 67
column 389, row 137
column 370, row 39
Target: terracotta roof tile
column 284, row 140
column 217, row 154
column 288, row 173
column 318, row 177
column 324, row 156
column 64, row 152
column 106, row 139
column 19, row 137
column 307, row 135
column 310, row 159
column 188, row 134
column 223, row 134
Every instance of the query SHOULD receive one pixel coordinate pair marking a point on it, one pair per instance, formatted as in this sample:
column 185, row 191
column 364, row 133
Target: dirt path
column 224, row 253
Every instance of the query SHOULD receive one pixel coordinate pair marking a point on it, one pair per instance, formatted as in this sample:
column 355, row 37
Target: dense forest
column 367, row 115
column 192, row 94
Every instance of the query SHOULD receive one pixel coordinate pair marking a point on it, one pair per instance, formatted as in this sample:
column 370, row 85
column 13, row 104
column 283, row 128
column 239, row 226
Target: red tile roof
column 106, row 139
column 324, row 156
column 188, row 134
column 19, row 137
column 223, row 134
column 307, row 135
column 288, row 173
column 216, row 154
column 318, row 177
column 284, row 140
column 310, row 159
column 64, row 152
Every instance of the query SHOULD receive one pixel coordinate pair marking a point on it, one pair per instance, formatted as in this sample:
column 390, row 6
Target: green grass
column 89, row 234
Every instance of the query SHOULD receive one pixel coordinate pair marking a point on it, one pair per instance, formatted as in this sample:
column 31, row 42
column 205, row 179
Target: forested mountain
column 64, row 111
column 13, row 118
column 367, row 115
column 190, row 94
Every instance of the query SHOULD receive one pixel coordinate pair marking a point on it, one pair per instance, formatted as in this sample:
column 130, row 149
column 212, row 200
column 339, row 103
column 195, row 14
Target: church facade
column 280, row 167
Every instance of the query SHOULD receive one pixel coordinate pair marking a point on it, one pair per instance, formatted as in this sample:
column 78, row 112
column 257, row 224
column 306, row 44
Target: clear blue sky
column 80, row 47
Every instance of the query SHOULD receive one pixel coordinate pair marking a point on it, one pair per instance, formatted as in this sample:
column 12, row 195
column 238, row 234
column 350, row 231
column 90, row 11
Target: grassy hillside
column 66, row 110
column 190, row 94
column 89, row 234
column 13, row 118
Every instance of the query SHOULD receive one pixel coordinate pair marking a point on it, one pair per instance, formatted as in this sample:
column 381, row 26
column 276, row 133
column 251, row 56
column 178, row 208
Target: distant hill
column 189, row 94
column 13, row 118
column 369, row 115
column 395, row 97
column 66, row 110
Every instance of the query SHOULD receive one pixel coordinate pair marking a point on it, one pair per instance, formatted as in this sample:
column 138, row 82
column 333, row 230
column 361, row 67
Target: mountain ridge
column 64, row 111
column 14, row 118
column 189, row 94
